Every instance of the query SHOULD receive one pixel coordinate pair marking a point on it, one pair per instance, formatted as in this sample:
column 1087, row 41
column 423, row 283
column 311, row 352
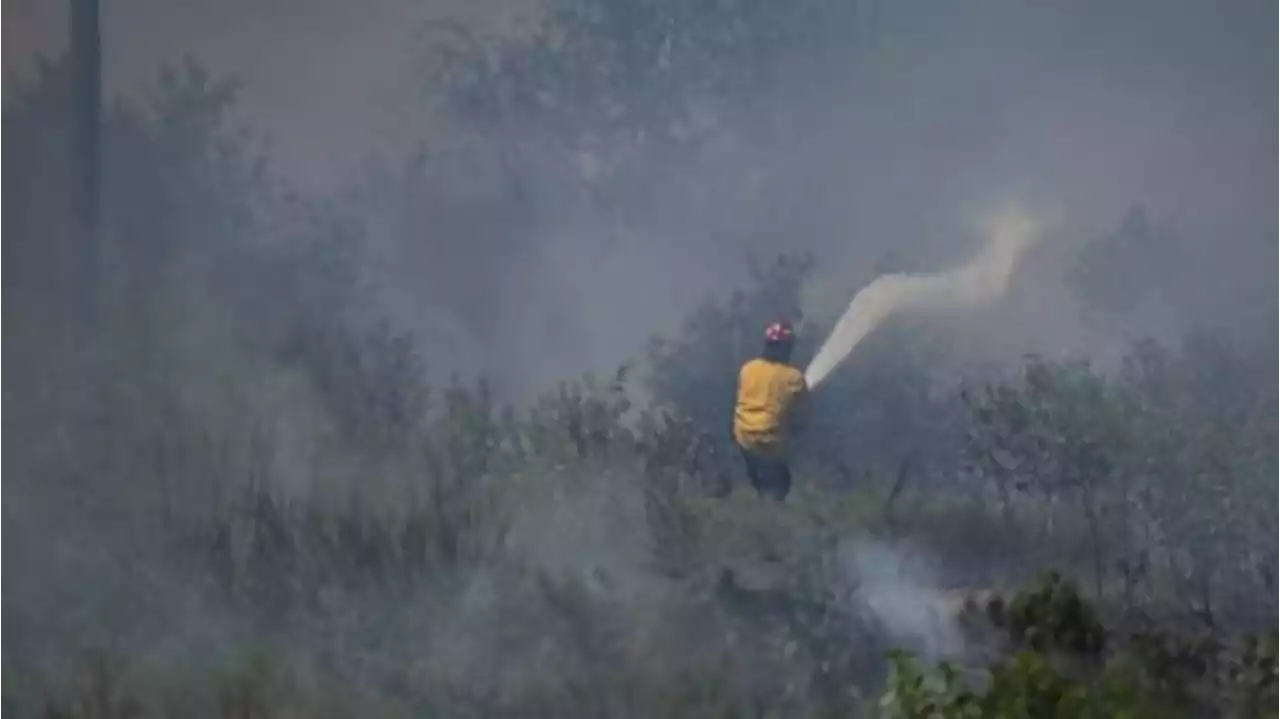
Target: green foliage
column 1057, row 668
column 914, row 694
column 1024, row 685
column 1052, row 616
column 1061, row 673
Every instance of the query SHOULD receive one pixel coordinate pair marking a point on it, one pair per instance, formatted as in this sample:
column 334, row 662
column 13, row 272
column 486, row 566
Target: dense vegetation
column 234, row 492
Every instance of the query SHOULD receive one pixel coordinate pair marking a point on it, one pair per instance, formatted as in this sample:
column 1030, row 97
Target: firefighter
column 769, row 392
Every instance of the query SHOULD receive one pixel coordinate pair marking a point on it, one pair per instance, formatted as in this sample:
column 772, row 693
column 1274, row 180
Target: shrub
column 1062, row 671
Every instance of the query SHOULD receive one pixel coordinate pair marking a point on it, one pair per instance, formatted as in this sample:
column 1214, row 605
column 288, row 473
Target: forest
column 242, row 486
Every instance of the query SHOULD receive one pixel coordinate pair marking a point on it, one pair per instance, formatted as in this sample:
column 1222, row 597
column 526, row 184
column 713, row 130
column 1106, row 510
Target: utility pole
column 86, row 89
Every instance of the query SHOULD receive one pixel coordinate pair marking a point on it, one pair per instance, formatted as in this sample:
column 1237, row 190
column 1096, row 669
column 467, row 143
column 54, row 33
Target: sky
column 1086, row 106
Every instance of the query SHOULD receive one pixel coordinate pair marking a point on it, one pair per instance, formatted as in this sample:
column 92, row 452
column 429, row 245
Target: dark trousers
column 770, row 476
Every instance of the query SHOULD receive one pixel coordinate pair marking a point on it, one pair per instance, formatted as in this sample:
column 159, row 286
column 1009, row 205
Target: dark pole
column 86, row 63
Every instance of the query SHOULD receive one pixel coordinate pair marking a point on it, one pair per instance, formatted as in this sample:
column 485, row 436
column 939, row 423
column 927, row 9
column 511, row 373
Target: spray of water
column 972, row 286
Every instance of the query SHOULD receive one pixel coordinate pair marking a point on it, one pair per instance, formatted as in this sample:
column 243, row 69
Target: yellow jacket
column 767, row 394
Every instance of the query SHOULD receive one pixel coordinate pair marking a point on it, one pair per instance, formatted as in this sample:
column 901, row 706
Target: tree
column 635, row 106
column 603, row 75
column 1140, row 270
column 1054, row 431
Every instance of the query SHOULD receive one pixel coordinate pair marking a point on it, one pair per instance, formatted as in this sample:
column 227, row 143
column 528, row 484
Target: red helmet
column 779, row 331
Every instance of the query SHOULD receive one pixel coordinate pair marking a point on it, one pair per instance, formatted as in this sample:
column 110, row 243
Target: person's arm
column 800, row 406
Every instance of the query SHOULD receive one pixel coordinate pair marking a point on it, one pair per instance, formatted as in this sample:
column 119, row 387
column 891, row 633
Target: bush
column 1061, row 672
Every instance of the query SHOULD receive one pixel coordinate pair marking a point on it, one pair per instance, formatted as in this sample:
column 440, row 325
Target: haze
column 934, row 111
column 244, row 481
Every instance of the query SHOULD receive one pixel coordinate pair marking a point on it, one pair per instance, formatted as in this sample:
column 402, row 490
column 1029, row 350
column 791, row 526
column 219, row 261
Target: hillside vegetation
column 233, row 490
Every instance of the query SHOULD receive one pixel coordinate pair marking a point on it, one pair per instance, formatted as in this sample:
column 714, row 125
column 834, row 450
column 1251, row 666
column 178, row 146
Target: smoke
column 589, row 526
column 1169, row 106
column 940, row 105
column 970, row 287
column 902, row 594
